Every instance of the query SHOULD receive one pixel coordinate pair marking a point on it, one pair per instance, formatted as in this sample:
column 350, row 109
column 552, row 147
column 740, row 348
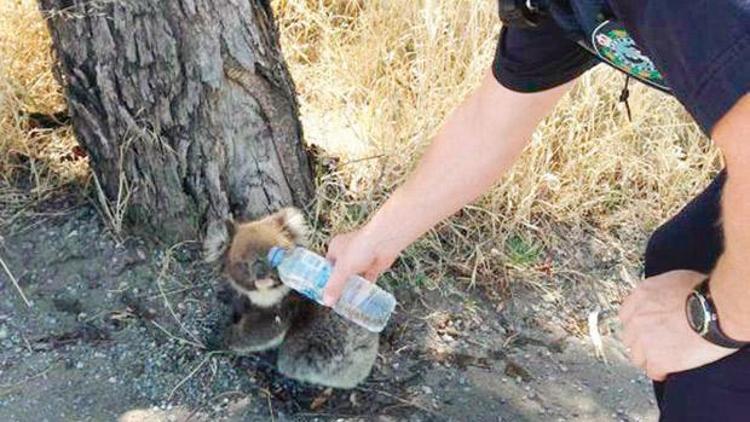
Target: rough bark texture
column 186, row 104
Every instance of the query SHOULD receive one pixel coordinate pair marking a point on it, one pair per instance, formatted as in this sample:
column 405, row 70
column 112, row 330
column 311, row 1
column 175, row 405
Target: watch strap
column 714, row 334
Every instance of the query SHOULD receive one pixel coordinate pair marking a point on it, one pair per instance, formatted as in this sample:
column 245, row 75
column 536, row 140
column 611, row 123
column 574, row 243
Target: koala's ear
column 292, row 222
column 231, row 227
column 219, row 235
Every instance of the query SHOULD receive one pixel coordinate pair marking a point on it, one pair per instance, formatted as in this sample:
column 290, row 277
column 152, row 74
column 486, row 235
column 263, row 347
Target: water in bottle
column 361, row 301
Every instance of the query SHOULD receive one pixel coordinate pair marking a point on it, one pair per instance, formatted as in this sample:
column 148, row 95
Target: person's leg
column 721, row 390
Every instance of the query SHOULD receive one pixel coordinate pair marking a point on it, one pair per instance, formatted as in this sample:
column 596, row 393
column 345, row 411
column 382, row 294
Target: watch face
column 696, row 313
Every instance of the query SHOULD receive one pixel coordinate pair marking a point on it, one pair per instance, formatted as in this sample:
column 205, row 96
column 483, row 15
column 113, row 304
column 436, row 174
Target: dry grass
column 36, row 158
column 375, row 80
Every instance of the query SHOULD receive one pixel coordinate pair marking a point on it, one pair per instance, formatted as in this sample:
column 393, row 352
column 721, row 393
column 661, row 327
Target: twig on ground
column 192, row 373
column 172, row 292
column 595, row 336
column 26, row 342
column 596, row 320
column 178, row 338
column 399, row 399
column 15, row 282
column 270, row 405
column 9, row 388
column 167, row 303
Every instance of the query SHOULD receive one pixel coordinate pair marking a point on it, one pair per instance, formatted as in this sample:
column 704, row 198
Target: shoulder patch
column 613, row 44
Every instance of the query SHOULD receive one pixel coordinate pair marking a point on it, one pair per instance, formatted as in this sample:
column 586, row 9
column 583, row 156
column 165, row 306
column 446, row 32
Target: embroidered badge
column 614, row 45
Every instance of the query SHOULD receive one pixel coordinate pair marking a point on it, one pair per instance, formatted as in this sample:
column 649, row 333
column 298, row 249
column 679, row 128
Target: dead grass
column 375, row 80
column 33, row 157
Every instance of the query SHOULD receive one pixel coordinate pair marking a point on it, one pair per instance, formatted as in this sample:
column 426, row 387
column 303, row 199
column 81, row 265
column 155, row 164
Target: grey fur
column 329, row 350
column 316, row 345
column 257, row 329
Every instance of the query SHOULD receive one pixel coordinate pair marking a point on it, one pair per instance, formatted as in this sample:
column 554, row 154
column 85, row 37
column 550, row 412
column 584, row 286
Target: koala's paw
column 328, row 350
column 255, row 329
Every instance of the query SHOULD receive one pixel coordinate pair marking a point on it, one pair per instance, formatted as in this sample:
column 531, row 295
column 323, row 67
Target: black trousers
column 719, row 391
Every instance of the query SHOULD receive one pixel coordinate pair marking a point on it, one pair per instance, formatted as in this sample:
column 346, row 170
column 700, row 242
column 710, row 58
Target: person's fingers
column 627, row 337
column 334, row 246
column 628, row 309
column 654, row 374
column 637, row 356
column 372, row 274
column 335, row 285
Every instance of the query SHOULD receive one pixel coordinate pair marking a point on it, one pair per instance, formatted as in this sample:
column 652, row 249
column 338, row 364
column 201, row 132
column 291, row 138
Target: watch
column 703, row 319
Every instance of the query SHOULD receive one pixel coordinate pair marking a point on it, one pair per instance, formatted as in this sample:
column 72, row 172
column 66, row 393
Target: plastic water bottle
column 361, row 302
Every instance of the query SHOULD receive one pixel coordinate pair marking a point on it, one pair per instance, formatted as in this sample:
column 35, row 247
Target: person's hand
column 355, row 253
column 656, row 330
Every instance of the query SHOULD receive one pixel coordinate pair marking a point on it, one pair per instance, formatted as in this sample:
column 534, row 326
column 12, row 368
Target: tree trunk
column 185, row 107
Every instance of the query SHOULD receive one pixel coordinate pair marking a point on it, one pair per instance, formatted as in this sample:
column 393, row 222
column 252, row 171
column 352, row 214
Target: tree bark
column 186, row 106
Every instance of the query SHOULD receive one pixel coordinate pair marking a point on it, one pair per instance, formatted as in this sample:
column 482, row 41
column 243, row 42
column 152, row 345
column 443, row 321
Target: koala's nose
column 261, row 269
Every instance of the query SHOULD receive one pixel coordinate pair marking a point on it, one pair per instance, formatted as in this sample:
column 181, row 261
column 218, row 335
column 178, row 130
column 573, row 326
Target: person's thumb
column 372, row 274
column 335, row 285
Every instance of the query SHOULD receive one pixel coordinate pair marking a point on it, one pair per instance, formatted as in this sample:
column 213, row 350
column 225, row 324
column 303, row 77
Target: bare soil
column 122, row 330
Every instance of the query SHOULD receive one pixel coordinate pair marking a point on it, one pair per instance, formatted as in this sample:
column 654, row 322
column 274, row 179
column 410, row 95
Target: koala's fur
column 315, row 345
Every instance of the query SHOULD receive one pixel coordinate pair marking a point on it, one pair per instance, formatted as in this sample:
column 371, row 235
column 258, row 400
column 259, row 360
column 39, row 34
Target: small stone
column 112, row 380
column 426, row 389
column 79, row 365
column 3, row 332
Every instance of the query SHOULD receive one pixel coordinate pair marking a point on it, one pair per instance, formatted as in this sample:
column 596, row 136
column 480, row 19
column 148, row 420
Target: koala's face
column 246, row 262
column 247, row 265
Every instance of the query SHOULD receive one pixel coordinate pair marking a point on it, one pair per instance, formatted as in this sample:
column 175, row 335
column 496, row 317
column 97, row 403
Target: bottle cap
column 275, row 255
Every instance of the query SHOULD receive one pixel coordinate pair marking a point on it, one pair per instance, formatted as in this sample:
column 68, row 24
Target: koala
column 315, row 345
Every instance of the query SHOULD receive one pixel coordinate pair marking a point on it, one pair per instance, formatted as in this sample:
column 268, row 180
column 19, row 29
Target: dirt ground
column 118, row 330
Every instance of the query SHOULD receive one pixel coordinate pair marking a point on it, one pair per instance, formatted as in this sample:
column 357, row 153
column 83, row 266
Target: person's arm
column 655, row 327
column 478, row 142
column 730, row 281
